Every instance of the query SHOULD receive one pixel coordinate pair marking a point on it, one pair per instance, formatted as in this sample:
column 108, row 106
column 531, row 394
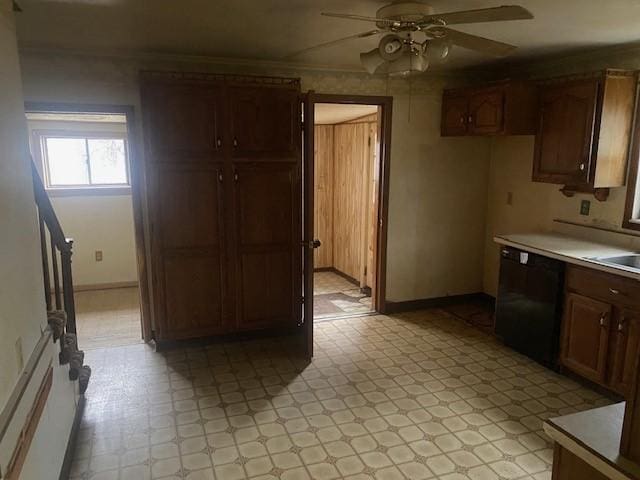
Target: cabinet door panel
column 193, row 295
column 454, row 115
column 188, row 248
column 565, row 133
column 627, row 349
column 265, row 123
column 269, row 235
column 185, row 122
column 486, row 112
column 585, row 336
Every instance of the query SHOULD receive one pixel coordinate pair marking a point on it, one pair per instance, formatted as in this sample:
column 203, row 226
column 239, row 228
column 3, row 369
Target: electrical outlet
column 98, row 255
column 585, row 206
column 509, row 198
column 19, row 357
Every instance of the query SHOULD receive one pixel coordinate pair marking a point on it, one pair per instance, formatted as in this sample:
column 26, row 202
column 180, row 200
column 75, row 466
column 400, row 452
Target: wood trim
column 105, row 286
column 386, row 105
column 65, row 471
column 437, row 302
column 23, row 382
column 633, row 179
column 137, row 176
column 89, row 191
column 597, row 227
column 21, row 450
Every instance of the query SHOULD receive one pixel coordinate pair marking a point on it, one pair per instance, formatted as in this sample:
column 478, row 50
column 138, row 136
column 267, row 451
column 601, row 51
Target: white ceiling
column 331, row 113
column 271, row 29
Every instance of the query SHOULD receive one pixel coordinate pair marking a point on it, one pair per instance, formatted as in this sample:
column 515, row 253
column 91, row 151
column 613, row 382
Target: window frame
column 41, row 137
column 631, row 219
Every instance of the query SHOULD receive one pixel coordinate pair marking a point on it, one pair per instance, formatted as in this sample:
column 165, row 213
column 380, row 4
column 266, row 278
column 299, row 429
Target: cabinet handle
column 235, row 176
column 614, row 291
column 220, row 177
column 603, row 317
column 620, row 326
column 235, row 143
column 461, row 120
column 218, row 142
column 582, row 167
column 470, row 119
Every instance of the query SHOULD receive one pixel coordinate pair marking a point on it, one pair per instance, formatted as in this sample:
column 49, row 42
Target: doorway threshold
column 342, row 316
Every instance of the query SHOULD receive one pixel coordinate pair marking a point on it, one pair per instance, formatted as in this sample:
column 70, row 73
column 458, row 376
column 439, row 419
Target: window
column 74, row 161
column 632, row 207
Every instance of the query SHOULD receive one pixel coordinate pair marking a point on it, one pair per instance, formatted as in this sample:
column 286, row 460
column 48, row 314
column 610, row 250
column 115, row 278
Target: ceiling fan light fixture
column 410, row 62
column 391, row 47
column 437, row 50
column 371, row 60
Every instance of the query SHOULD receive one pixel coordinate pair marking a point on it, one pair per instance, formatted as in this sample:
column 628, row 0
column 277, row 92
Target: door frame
column 386, row 113
column 136, row 173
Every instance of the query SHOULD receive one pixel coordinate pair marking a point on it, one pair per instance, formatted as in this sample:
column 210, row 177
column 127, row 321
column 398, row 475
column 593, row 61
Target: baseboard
column 65, row 472
column 348, row 278
column 437, row 302
column 104, row 286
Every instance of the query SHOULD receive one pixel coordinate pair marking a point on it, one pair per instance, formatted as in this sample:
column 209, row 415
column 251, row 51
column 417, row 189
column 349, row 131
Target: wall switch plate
column 19, row 356
column 98, row 255
column 509, row 198
column 585, row 206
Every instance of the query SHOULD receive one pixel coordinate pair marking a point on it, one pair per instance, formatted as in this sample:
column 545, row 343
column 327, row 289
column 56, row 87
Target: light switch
column 98, row 255
column 585, row 206
column 509, row 198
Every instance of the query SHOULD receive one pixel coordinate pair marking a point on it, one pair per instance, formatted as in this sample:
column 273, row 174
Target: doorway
column 350, row 183
column 86, row 158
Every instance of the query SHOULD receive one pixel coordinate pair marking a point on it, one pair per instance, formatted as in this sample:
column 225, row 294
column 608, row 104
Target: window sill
column 631, row 224
column 89, row 191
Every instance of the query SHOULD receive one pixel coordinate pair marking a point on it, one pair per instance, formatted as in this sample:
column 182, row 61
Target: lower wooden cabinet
column 601, row 328
column 568, row 466
column 586, row 336
column 626, row 350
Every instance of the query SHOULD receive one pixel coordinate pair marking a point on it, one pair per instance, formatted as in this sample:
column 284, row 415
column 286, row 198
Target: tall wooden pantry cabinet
column 223, row 167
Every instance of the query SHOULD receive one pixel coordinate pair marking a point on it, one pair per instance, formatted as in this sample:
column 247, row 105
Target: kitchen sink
column 629, row 261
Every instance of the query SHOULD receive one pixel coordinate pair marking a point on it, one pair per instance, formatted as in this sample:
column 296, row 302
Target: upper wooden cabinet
column 584, row 129
column 503, row 108
column 264, row 122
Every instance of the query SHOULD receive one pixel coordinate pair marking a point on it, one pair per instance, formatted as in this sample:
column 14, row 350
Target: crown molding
column 149, row 58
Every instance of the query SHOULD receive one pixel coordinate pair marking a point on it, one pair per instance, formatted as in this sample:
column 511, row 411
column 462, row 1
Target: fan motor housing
column 404, row 12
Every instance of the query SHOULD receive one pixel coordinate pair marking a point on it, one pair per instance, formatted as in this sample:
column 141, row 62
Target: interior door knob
column 312, row 244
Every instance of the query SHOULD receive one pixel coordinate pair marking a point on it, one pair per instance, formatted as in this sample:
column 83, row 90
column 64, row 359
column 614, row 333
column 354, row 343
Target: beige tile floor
column 108, row 318
column 335, row 296
column 416, row 396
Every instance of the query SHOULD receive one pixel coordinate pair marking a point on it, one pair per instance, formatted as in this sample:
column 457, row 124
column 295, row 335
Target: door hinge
column 365, row 270
column 369, row 141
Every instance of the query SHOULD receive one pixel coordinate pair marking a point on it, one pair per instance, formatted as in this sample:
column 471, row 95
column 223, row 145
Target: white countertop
column 569, row 249
column 594, row 436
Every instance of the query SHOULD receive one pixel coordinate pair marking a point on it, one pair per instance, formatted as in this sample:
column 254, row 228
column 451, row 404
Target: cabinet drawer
column 604, row 286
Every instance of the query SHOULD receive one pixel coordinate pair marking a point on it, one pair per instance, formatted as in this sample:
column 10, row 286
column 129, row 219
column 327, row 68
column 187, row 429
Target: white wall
column 94, row 222
column 99, row 223
column 22, row 308
column 437, row 189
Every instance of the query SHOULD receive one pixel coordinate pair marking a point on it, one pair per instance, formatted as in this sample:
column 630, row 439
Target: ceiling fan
column 416, row 36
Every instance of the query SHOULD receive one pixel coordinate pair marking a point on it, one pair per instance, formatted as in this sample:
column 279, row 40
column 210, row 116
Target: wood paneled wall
column 323, row 199
column 346, row 170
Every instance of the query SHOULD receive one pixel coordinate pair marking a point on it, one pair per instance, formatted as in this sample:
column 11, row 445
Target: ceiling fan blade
column 370, row 33
column 358, row 17
column 479, row 44
column 496, row 14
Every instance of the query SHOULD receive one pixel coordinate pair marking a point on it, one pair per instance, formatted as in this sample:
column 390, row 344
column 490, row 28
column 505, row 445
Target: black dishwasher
column 529, row 304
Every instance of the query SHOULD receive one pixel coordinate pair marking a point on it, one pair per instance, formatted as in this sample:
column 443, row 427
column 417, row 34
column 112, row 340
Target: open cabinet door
column 309, row 244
